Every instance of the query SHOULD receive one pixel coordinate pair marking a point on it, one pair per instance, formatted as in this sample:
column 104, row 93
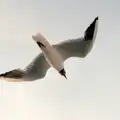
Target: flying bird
column 54, row 55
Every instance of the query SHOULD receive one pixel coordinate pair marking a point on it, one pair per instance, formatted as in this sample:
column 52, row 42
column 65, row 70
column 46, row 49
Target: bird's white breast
column 50, row 53
column 53, row 57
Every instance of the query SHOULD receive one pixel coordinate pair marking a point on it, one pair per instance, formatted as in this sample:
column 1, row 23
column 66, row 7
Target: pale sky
column 92, row 91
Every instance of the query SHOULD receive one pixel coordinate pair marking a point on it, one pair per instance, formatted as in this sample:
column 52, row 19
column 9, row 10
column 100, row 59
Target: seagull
column 54, row 55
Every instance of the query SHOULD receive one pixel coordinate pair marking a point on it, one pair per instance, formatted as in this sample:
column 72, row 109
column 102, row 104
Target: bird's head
column 63, row 73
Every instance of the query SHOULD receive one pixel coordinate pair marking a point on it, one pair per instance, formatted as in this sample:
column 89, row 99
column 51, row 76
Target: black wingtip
column 16, row 73
column 96, row 18
column 90, row 30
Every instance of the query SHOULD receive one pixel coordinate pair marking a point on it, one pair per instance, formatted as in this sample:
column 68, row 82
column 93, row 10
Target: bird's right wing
column 79, row 47
column 38, row 67
column 35, row 70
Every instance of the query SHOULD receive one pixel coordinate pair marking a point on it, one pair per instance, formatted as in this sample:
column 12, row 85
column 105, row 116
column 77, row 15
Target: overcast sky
column 92, row 91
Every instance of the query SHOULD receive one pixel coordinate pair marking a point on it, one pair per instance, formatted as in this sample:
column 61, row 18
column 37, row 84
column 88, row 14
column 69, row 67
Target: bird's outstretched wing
column 79, row 47
column 35, row 70
column 71, row 48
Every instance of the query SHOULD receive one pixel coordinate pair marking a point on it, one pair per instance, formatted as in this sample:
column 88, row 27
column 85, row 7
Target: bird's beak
column 65, row 76
column 63, row 73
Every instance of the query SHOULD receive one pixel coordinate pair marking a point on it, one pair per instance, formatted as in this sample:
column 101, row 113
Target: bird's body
column 51, row 54
column 54, row 55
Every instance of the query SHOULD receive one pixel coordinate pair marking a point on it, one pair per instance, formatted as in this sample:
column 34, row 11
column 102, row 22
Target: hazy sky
column 92, row 91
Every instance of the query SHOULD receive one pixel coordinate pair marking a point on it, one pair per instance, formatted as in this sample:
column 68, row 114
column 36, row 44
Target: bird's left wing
column 79, row 47
column 35, row 70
